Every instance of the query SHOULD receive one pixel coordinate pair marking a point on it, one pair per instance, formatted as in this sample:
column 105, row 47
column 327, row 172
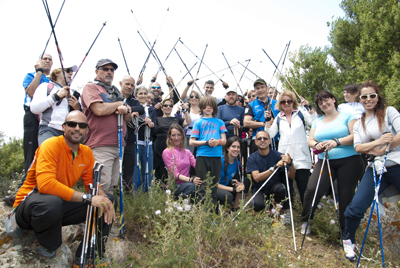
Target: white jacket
column 293, row 138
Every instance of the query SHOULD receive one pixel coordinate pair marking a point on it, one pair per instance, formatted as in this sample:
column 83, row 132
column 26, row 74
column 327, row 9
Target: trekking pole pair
column 89, row 243
column 326, row 159
column 377, row 184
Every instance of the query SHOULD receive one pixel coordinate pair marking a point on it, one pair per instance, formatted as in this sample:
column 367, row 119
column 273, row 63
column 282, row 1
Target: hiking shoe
column 45, row 252
column 348, row 248
column 103, row 262
column 9, row 200
column 303, row 228
column 287, row 219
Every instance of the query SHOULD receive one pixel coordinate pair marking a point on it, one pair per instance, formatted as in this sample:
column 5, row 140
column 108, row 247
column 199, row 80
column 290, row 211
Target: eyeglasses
column 154, row 87
column 106, row 69
column 286, row 101
column 168, row 105
column 194, row 96
column 372, row 96
column 68, row 70
column 262, row 139
column 73, row 124
column 253, row 95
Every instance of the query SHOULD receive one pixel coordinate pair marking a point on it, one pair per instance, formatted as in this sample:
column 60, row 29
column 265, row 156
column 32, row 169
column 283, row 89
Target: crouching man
column 46, row 200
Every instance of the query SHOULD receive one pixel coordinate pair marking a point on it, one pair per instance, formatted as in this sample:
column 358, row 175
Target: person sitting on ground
column 52, row 102
column 378, row 128
column 229, row 186
column 46, row 200
column 261, row 165
column 209, row 135
column 178, row 160
column 163, row 125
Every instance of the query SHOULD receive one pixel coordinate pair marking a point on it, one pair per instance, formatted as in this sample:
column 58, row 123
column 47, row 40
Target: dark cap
column 103, row 62
column 211, row 82
column 259, row 81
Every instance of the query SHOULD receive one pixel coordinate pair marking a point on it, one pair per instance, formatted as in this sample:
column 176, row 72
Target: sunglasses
column 153, row 87
column 372, row 96
column 253, row 95
column 168, row 105
column 286, row 101
column 73, row 124
column 106, row 69
column 262, row 139
column 194, row 96
column 68, row 70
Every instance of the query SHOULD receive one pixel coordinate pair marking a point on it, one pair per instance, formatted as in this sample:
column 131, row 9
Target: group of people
column 203, row 146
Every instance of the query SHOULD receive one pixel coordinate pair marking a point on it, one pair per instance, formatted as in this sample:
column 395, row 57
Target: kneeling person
column 46, row 200
column 261, row 164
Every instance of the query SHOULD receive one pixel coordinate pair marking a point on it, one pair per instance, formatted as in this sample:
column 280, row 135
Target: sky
column 239, row 29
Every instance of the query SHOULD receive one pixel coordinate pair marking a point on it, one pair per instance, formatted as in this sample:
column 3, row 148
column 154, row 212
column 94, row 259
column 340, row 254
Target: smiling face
column 231, row 98
column 74, row 135
column 327, row 104
column 176, row 137
column 234, row 149
column 262, row 140
column 208, row 89
column 271, row 93
column 194, row 98
column 369, row 98
column 141, row 96
column 349, row 97
column 156, row 89
column 286, row 104
column 167, row 107
column 261, row 91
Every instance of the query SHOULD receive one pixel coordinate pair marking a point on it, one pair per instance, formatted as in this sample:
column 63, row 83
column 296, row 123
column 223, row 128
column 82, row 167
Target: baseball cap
column 103, row 62
column 66, row 65
column 231, row 90
column 260, row 81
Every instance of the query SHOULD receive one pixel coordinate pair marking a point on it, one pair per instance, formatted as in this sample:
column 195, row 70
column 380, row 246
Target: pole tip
column 104, row 23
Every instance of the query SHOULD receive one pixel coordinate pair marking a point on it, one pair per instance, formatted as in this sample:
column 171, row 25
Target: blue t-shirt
column 226, row 113
column 335, row 129
column 204, row 129
column 27, row 81
column 230, row 172
column 263, row 163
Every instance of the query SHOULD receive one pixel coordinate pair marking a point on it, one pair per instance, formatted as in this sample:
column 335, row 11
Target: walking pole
column 262, row 186
column 237, row 83
column 376, row 201
column 291, row 210
column 146, row 174
column 123, row 55
column 137, row 127
column 283, row 52
column 313, row 202
column 48, row 40
column 121, row 190
column 334, row 195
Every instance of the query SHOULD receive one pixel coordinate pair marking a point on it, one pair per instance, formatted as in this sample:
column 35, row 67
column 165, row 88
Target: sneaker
column 9, row 200
column 348, row 248
column 303, row 228
column 287, row 219
column 45, row 252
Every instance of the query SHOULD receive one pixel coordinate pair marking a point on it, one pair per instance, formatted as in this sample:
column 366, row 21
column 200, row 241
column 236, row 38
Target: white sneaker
column 348, row 248
column 303, row 228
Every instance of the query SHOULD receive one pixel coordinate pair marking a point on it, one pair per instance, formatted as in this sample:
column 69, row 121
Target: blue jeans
column 187, row 189
column 364, row 196
column 142, row 163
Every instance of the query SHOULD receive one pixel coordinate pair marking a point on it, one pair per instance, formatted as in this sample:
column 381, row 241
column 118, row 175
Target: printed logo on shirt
column 81, row 165
column 246, row 110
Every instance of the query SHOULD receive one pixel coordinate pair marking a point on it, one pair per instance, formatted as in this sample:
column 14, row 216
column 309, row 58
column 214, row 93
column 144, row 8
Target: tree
column 312, row 71
column 11, row 156
column 366, row 44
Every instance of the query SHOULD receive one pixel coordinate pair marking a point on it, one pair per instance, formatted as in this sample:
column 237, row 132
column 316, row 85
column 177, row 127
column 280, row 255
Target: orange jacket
column 55, row 170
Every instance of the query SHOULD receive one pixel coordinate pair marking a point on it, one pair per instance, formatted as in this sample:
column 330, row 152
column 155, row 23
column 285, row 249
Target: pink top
column 178, row 161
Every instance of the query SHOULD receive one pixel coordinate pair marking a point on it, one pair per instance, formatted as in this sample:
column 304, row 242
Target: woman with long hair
column 194, row 112
column 178, row 161
column 290, row 123
column 163, row 125
column 229, row 186
column 332, row 133
column 378, row 128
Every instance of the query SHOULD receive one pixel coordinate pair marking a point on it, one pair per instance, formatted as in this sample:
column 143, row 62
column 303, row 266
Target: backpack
column 278, row 119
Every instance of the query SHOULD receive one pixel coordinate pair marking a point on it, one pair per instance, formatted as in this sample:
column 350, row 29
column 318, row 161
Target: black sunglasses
column 106, row 69
column 286, row 101
column 68, row 70
column 168, row 105
column 262, row 139
column 73, row 124
column 194, row 96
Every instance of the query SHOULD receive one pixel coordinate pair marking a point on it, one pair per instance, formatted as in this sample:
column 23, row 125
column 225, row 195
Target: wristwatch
column 272, row 169
column 207, row 142
column 87, row 199
column 39, row 70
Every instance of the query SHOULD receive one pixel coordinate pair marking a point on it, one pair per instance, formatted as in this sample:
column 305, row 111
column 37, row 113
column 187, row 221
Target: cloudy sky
column 239, row 29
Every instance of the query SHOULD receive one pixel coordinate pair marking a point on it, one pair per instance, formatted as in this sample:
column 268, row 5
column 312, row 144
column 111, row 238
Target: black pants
column 31, row 129
column 46, row 214
column 128, row 165
column 205, row 165
column 301, row 178
column 346, row 171
column 279, row 192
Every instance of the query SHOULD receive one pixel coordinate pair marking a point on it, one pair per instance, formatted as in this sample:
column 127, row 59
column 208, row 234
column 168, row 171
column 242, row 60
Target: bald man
column 47, row 201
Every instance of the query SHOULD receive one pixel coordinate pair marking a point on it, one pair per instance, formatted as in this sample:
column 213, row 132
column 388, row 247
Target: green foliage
column 11, row 156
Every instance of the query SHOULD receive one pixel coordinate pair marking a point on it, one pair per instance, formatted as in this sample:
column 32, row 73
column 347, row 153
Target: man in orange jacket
column 46, row 200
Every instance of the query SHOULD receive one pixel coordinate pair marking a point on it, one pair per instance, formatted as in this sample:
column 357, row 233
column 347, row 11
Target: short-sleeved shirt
column 336, row 129
column 204, row 129
column 103, row 129
column 226, row 113
column 231, row 171
column 256, row 109
column 27, row 81
column 263, row 163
